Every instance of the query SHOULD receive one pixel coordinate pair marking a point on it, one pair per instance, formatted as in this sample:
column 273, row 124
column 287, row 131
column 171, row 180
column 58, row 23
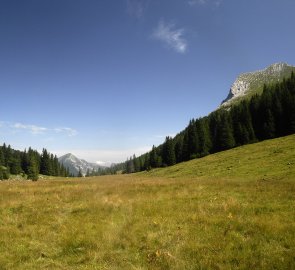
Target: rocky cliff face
column 248, row 83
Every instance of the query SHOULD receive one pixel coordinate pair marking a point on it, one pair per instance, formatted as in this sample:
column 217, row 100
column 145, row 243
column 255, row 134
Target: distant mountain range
column 248, row 84
column 75, row 164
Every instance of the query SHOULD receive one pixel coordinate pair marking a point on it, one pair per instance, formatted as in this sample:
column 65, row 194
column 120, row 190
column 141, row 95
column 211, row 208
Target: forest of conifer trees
column 265, row 116
column 261, row 117
column 29, row 163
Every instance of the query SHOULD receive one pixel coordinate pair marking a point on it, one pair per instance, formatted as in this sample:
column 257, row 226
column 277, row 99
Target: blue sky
column 104, row 79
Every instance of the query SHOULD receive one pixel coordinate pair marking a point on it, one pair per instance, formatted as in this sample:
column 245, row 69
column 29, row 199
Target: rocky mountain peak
column 75, row 164
column 276, row 68
column 252, row 81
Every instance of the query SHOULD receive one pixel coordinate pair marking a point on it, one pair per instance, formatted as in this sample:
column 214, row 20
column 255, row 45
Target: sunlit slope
column 271, row 158
column 231, row 210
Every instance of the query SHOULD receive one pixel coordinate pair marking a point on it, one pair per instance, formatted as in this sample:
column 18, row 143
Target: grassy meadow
column 230, row 210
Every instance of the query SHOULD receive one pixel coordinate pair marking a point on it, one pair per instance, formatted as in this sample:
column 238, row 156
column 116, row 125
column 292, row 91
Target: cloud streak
column 216, row 3
column 38, row 130
column 197, row 2
column 31, row 128
column 70, row 131
column 172, row 37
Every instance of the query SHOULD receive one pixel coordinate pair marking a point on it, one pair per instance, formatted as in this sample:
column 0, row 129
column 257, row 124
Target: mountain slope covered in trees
column 264, row 116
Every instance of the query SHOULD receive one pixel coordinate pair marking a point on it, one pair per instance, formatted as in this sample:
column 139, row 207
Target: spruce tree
column 15, row 163
column 289, row 110
column 242, row 124
column 225, row 138
column 269, row 129
column 136, row 163
column 8, row 160
column 193, row 140
column 205, row 143
column 147, row 164
column 178, row 149
column 190, row 142
column 32, row 173
column 185, row 146
column 168, row 153
column 1, row 157
column 46, row 164
column 155, row 159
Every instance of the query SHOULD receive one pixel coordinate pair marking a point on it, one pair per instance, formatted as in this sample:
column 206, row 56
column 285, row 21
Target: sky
column 106, row 79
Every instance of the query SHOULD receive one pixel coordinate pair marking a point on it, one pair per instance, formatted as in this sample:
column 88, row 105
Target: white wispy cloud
column 136, row 8
column 31, row 128
column 171, row 36
column 216, row 3
column 37, row 130
column 70, row 131
column 197, row 2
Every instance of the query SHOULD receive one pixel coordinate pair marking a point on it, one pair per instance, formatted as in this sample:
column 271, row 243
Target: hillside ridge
column 273, row 158
column 253, row 82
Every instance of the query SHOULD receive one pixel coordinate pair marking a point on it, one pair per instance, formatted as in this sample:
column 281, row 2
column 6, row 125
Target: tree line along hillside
column 265, row 116
column 29, row 163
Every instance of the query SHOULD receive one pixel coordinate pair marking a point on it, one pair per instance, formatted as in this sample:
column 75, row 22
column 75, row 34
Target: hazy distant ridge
column 75, row 164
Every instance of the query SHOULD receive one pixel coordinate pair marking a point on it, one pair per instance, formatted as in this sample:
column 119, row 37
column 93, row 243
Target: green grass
column 231, row 210
column 269, row 159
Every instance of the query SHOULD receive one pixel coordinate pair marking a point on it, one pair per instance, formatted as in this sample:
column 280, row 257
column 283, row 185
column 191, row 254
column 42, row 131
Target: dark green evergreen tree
column 155, row 159
column 185, row 146
column 288, row 101
column 46, row 164
column 205, row 143
column 225, row 138
column 178, row 149
column 269, row 128
column 168, row 152
column 147, row 164
column 2, row 160
column 32, row 169
column 242, row 124
column 15, row 163
column 136, row 163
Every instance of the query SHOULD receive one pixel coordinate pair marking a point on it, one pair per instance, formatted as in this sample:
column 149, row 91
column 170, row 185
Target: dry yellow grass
column 153, row 222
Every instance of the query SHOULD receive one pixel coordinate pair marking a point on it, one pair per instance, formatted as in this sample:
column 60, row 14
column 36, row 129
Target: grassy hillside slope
column 231, row 210
column 268, row 159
